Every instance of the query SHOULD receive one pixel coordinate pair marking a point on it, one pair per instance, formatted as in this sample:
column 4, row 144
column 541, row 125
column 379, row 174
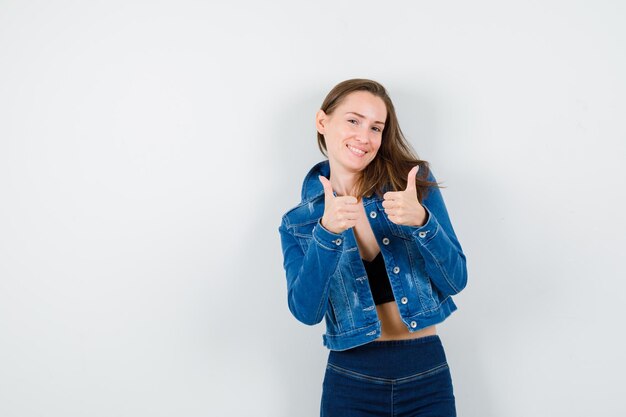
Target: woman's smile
column 356, row 151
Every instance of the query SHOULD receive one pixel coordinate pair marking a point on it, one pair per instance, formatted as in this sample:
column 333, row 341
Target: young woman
column 370, row 249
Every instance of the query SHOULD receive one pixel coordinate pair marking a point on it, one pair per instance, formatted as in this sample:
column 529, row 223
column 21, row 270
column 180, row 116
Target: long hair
column 394, row 158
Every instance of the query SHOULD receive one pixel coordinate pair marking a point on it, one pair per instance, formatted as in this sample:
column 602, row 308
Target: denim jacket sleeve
column 438, row 244
column 308, row 273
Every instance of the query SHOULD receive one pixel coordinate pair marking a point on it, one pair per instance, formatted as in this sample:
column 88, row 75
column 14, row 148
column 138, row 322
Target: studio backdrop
column 149, row 149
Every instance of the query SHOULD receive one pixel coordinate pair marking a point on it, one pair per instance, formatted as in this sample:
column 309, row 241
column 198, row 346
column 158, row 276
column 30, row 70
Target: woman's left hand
column 402, row 207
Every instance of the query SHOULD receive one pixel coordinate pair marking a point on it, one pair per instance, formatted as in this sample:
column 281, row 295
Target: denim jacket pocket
column 420, row 283
column 426, row 294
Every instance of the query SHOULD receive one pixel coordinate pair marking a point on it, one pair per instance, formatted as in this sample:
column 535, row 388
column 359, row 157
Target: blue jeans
column 394, row 378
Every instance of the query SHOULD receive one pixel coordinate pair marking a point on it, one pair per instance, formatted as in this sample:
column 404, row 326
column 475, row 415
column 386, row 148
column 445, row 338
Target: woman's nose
column 363, row 134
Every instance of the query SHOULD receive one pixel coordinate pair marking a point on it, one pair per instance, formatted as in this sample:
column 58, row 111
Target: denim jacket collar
column 311, row 186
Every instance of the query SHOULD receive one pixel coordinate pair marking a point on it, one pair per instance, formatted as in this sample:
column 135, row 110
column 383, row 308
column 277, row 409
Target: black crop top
column 378, row 279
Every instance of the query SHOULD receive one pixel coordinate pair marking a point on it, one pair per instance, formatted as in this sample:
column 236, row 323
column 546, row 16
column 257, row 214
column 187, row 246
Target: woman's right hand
column 340, row 213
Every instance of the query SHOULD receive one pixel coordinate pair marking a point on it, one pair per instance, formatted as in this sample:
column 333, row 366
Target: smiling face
column 353, row 131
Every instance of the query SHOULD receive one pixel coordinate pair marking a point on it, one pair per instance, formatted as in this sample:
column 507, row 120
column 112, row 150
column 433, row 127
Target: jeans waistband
column 391, row 358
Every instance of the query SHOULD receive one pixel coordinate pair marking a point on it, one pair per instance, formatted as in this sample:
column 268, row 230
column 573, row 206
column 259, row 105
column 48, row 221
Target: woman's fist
column 340, row 213
column 402, row 207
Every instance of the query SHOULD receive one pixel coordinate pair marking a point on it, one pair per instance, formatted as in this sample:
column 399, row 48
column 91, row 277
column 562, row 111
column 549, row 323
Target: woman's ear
column 320, row 121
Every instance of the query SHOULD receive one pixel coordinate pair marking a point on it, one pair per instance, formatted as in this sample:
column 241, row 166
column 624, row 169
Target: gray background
column 148, row 150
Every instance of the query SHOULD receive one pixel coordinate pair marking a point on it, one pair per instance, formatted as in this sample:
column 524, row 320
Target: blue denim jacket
column 326, row 277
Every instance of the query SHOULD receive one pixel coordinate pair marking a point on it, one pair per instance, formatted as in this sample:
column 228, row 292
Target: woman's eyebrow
column 360, row 115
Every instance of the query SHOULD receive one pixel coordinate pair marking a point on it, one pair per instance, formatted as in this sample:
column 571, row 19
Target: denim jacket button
column 373, row 214
column 413, row 324
column 338, row 242
column 404, row 300
column 422, row 234
column 385, row 241
column 396, row 269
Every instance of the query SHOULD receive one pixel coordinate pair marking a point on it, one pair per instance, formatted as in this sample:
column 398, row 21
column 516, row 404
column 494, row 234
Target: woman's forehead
column 364, row 104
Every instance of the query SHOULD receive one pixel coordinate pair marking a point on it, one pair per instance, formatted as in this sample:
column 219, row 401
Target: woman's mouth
column 356, row 151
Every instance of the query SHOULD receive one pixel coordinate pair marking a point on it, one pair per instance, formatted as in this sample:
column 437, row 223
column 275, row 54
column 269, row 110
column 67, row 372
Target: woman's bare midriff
column 392, row 327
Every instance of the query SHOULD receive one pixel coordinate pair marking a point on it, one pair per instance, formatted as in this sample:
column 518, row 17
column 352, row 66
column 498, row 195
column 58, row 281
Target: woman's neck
column 343, row 181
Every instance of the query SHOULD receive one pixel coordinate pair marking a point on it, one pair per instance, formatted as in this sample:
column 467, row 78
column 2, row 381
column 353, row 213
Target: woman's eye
column 376, row 129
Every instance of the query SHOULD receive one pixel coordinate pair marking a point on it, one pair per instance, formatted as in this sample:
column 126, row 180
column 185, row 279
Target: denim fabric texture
column 394, row 378
column 326, row 278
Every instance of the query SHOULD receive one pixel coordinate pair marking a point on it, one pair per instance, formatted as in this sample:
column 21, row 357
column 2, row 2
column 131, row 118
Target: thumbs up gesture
column 340, row 213
column 402, row 207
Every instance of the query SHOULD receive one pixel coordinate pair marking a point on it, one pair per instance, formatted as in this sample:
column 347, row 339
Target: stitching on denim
column 304, row 202
column 311, row 198
column 320, row 307
column 345, row 294
column 358, row 375
column 423, row 300
column 305, row 223
column 412, row 267
column 431, row 237
column 350, row 332
column 323, row 246
column 436, row 308
column 439, row 368
column 392, row 412
column 332, row 309
column 397, row 231
column 286, row 222
column 433, row 371
column 443, row 272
